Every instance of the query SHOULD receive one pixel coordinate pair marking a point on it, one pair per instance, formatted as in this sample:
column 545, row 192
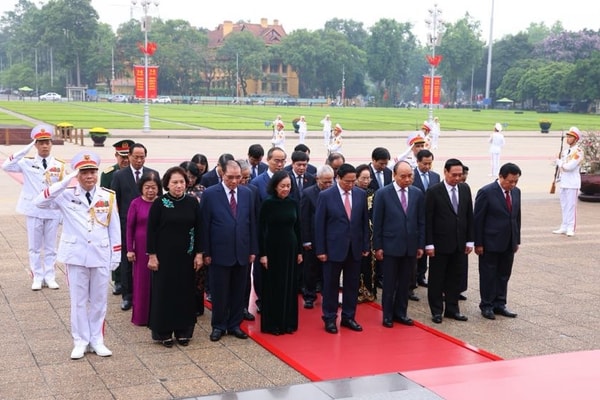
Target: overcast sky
column 510, row 16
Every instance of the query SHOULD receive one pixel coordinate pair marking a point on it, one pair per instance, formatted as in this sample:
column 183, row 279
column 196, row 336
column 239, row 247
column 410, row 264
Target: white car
column 162, row 100
column 50, row 96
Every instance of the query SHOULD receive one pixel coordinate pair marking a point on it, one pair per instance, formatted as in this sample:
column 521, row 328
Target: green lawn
column 242, row 117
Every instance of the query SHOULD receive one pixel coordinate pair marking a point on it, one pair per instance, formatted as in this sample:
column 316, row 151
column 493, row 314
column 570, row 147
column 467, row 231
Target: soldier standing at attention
column 39, row 172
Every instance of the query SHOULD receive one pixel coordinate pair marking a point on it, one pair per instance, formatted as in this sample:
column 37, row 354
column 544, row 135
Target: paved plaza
column 554, row 287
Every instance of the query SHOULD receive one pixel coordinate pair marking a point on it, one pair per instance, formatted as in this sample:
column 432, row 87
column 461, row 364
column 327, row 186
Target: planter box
column 21, row 135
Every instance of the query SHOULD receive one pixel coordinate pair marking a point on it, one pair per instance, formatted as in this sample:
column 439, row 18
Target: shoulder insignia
column 29, row 157
column 109, row 169
column 59, row 160
column 107, row 190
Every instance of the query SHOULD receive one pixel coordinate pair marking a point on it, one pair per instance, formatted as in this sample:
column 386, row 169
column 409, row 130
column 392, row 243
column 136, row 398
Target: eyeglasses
column 278, row 160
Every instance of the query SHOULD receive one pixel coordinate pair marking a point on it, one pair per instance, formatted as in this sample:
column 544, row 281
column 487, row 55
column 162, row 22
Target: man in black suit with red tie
column 299, row 176
column 448, row 236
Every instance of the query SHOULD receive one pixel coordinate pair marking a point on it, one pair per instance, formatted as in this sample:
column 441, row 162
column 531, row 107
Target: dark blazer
column 396, row 232
column 228, row 239
column 387, row 178
column 311, row 169
column 308, row 206
column 123, row 183
column 495, row 226
column 434, row 178
column 261, row 182
column 210, row 178
column 335, row 235
column 446, row 230
column 262, row 167
column 307, row 180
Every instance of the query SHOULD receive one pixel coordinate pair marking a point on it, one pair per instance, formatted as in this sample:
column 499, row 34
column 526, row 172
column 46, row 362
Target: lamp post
column 434, row 37
column 488, row 74
column 145, row 24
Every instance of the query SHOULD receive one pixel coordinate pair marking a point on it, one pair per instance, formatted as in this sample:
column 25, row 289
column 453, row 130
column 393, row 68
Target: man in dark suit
column 299, row 176
column 398, row 240
column 214, row 176
column 448, row 236
column 255, row 155
column 124, row 183
column 381, row 175
column 341, row 239
column 308, row 205
column 497, row 218
column 423, row 178
column 275, row 162
column 229, row 243
column 311, row 169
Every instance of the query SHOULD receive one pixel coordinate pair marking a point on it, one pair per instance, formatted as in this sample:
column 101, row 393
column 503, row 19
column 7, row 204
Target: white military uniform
column 570, row 183
column 278, row 139
column 90, row 247
column 326, row 122
column 435, row 133
column 302, row 130
column 335, row 144
column 409, row 155
column 496, row 141
column 42, row 225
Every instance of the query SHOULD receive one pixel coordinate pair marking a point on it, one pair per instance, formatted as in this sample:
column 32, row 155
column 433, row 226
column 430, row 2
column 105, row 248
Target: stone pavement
column 554, row 287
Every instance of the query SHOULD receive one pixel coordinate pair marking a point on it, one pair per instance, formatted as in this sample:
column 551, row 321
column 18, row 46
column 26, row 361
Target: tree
column 352, row 30
column 302, row 50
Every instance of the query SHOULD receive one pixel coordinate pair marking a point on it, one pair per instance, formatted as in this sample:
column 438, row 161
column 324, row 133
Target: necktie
column 379, row 175
column 454, row 200
column 508, row 201
column 88, row 196
column 254, row 172
column 44, row 163
column 347, row 204
column 403, row 199
column 300, row 184
column 425, row 180
column 137, row 175
column 232, row 202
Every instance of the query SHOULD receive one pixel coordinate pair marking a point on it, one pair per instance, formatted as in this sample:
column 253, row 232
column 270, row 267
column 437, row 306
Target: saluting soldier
column 122, row 157
column 90, row 247
column 416, row 143
column 39, row 172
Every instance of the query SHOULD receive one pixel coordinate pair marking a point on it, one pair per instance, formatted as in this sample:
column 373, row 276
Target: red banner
column 437, row 89
column 138, row 73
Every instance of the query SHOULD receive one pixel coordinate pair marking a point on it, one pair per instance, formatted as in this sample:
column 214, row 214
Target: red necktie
column 508, row 201
column 347, row 204
column 137, row 175
column 233, row 203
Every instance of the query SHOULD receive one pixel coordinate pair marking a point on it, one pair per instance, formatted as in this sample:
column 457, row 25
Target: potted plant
column 99, row 135
column 590, row 167
column 545, row 125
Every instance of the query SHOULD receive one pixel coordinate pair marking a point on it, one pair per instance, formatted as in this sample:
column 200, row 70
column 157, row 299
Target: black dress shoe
column 422, row 282
column 388, row 323
column 351, row 324
column 489, row 314
column 506, row 312
column 168, row 343
column 309, row 304
column 462, row 297
column 118, row 289
column 330, row 327
column 437, row 318
column 183, row 342
column 404, row 321
column 126, row 305
column 216, row 335
column 248, row 316
column 412, row 296
column 238, row 333
column 457, row 316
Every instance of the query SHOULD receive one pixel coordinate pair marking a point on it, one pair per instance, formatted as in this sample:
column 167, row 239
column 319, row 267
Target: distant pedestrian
column 496, row 141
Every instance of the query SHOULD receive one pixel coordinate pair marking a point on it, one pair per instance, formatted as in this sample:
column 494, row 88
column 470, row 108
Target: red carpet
column 377, row 350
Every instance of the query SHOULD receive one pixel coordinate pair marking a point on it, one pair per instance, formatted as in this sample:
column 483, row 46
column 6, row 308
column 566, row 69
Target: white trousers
column 326, row 138
column 88, row 288
column 495, row 163
column 568, row 206
column 42, row 236
column 302, row 137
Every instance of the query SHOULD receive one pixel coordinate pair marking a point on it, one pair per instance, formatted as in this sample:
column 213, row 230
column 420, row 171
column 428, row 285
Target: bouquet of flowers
column 590, row 144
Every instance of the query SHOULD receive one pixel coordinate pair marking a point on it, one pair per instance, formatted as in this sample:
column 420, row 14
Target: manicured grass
column 242, row 117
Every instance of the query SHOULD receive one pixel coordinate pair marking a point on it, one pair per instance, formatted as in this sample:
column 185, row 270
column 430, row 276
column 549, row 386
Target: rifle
column 557, row 169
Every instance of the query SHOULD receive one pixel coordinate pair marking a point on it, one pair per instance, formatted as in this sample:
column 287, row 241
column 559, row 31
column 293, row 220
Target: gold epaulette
column 29, row 157
column 107, row 190
column 109, row 169
column 59, row 160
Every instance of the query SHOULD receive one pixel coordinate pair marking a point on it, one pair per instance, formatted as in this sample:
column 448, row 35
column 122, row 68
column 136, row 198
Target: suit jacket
column 397, row 232
column 308, row 206
column 495, row 227
column 210, row 178
column 261, row 182
column 123, row 183
column 446, row 230
column 261, row 167
column 311, row 169
column 387, row 178
column 228, row 239
column 434, row 178
column 307, row 180
column 335, row 235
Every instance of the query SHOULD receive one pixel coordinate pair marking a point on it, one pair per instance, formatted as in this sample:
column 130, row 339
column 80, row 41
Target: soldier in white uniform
column 435, row 133
column 496, row 141
column 302, row 129
column 39, row 172
column 416, row 143
column 326, row 122
column 278, row 139
column 335, row 146
column 90, row 247
column 570, row 182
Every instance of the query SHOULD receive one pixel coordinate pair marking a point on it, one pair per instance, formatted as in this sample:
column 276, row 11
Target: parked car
column 50, row 96
column 162, row 100
column 119, row 98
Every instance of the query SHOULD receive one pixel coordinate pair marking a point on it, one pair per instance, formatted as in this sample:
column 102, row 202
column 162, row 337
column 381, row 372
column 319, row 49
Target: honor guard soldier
column 416, row 143
column 122, row 157
column 90, row 247
column 39, row 172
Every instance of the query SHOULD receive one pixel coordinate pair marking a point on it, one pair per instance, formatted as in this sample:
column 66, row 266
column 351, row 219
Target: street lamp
column 434, row 36
column 145, row 24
